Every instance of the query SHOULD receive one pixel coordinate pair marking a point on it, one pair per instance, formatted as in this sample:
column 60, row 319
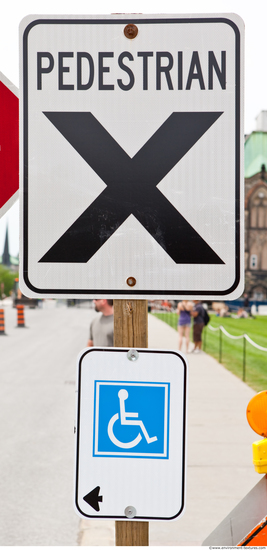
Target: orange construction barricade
column 2, row 322
column 20, row 315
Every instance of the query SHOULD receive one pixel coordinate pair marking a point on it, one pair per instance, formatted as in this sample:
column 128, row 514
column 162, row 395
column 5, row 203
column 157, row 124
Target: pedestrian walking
column 198, row 314
column 184, row 310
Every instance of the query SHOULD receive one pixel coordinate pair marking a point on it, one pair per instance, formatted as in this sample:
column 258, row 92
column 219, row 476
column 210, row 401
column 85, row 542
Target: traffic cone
column 20, row 315
column 2, row 322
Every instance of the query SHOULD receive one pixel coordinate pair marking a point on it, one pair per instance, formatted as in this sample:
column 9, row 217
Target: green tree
column 6, row 281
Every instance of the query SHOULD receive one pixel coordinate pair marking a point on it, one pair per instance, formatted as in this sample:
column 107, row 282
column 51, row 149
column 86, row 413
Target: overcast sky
column 253, row 13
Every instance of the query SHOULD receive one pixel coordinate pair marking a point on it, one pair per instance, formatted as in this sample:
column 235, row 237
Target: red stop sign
column 9, row 144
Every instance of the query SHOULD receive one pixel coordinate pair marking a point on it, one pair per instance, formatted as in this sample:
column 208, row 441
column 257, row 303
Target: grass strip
column 242, row 359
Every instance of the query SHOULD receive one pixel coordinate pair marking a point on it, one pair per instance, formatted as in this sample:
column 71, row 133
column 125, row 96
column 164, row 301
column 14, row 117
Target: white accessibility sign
column 131, row 434
column 131, row 156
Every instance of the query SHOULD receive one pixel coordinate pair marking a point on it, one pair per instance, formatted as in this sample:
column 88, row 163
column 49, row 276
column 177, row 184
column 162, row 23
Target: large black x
column 131, row 187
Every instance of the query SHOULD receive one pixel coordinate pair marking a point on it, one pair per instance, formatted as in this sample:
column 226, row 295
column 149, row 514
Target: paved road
column 37, row 411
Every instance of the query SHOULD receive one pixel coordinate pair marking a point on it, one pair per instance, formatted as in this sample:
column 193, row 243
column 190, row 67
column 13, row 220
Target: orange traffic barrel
column 20, row 315
column 2, row 321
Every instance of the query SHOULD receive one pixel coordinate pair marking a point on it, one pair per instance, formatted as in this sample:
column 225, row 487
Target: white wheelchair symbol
column 123, row 395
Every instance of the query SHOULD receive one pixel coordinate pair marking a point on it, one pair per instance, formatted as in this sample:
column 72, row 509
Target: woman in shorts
column 184, row 323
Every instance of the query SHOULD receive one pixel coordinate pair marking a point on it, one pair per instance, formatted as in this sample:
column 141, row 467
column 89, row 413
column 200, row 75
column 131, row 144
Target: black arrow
column 93, row 498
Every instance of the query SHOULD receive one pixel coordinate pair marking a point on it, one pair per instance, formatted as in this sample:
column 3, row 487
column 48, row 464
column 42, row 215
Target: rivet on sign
column 130, row 512
column 131, row 281
column 131, row 31
column 132, row 355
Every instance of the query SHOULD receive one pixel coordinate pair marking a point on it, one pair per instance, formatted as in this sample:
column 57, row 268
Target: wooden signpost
column 131, row 330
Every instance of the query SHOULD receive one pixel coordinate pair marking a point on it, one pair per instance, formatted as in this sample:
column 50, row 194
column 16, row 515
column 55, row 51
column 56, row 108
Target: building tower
column 6, row 256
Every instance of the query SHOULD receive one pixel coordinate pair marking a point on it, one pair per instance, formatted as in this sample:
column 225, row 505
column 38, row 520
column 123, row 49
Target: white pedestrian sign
column 132, row 156
column 131, row 434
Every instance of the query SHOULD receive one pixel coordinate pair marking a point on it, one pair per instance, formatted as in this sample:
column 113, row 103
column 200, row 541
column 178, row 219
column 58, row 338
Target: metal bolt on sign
column 130, row 511
column 131, row 31
column 131, row 281
column 132, row 355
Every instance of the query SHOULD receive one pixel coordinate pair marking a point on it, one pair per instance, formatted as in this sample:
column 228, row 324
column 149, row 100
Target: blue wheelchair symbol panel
column 131, row 419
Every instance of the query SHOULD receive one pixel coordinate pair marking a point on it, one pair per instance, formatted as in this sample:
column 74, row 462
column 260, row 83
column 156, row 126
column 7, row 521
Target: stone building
column 256, row 210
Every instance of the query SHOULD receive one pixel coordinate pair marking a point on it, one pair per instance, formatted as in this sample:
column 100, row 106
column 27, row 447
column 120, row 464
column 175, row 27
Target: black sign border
column 136, row 518
column 133, row 293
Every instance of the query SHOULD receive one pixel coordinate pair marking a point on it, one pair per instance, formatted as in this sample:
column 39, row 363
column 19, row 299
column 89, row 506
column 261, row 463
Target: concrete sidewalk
column 219, row 454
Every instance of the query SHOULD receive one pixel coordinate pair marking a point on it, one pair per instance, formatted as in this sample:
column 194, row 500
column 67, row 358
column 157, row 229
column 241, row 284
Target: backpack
column 206, row 317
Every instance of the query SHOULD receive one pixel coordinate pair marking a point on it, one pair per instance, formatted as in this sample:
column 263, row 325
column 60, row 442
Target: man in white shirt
column 102, row 327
